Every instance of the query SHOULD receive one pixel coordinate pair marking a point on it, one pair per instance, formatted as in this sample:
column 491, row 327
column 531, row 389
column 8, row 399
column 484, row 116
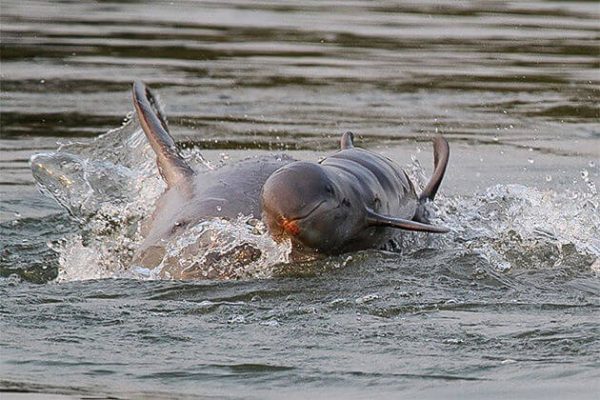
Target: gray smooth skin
column 193, row 196
column 354, row 199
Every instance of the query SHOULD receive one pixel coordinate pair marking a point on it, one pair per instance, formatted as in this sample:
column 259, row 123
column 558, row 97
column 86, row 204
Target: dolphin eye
column 376, row 204
column 329, row 189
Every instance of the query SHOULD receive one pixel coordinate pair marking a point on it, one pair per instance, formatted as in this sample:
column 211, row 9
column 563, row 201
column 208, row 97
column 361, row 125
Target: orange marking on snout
column 290, row 227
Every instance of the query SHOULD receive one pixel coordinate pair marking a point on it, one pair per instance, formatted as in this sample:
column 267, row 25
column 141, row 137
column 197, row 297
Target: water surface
column 509, row 299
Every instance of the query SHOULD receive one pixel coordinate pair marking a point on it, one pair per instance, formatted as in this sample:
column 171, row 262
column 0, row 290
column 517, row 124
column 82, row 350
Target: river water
column 507, row 303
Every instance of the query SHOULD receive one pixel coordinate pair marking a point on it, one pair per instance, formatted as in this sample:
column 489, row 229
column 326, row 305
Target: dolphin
column 352, row 200
column 193, row 196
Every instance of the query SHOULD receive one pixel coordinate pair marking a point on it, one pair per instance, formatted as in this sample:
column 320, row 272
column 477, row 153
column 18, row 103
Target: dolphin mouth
column 290, row 225
column 306, row 214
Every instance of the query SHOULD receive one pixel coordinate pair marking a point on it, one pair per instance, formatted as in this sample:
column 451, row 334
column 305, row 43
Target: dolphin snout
column 290, row 226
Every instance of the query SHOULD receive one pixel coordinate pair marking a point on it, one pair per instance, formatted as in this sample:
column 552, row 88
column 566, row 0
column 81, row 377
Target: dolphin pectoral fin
column 441, row 153
column 375, row 219
column 171, row 165
column 347, row 141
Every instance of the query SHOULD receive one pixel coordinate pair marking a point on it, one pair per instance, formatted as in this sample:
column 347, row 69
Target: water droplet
column 238, row 319
column 367, row 298
column 453, row 341
column 592, row 164
column 548, row 178
column 272, row 322
column 219, row 208
column 584, row 174
column 42, row 81
column 530, row 160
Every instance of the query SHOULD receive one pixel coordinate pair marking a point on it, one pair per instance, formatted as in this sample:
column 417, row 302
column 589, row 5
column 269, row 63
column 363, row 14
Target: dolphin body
column 352, row 200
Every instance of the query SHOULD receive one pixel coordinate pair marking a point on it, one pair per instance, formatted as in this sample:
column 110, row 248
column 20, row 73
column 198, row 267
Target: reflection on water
column 270, row 71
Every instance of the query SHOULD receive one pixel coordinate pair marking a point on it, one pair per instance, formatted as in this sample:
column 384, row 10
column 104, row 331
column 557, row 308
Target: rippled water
column 508, row 301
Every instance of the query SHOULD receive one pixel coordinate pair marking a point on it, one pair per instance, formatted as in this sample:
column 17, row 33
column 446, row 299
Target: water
column 509, row 299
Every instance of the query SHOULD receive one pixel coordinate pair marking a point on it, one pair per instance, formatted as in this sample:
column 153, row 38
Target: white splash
column 221, row 249
column 515, row 226
column 111, row 183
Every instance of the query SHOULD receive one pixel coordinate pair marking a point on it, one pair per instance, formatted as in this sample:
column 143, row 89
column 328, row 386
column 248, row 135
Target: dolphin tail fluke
column 171, row 165
column 441, row 153
column 375, row 219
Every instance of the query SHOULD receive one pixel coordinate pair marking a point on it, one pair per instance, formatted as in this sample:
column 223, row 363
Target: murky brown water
column 510, row 302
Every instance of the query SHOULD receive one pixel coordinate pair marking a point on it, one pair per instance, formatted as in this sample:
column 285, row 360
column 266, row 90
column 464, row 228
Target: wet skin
column 332, row 206
column 354, row 199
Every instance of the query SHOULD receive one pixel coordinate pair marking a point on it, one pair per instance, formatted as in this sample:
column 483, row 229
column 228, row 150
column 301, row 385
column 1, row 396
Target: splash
column 115, row 169
column 517, row 227
column 220, row 249
column 111, row 183
column 522, row 227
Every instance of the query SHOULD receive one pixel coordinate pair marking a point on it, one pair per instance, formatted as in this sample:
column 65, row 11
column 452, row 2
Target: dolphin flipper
column 171, row 165
column 375, row 219
column 441, row 153
column 347, row 141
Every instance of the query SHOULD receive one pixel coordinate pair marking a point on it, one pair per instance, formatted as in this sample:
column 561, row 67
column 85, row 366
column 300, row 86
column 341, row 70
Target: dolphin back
column 387, row 193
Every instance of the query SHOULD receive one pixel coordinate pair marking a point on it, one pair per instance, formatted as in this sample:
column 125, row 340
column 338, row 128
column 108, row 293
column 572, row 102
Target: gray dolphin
column 354, row 199
column 193, row 196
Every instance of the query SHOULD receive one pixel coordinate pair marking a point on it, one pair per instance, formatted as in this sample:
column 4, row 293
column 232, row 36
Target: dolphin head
column 303, row 203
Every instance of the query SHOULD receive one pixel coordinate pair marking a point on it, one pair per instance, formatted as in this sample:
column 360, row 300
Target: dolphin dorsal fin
column 171, row 165
column 375, row 219
column 441, row 153
column 347, row 141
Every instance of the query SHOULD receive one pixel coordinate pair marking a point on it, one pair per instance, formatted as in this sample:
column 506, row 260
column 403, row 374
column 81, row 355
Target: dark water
column 507, row 304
